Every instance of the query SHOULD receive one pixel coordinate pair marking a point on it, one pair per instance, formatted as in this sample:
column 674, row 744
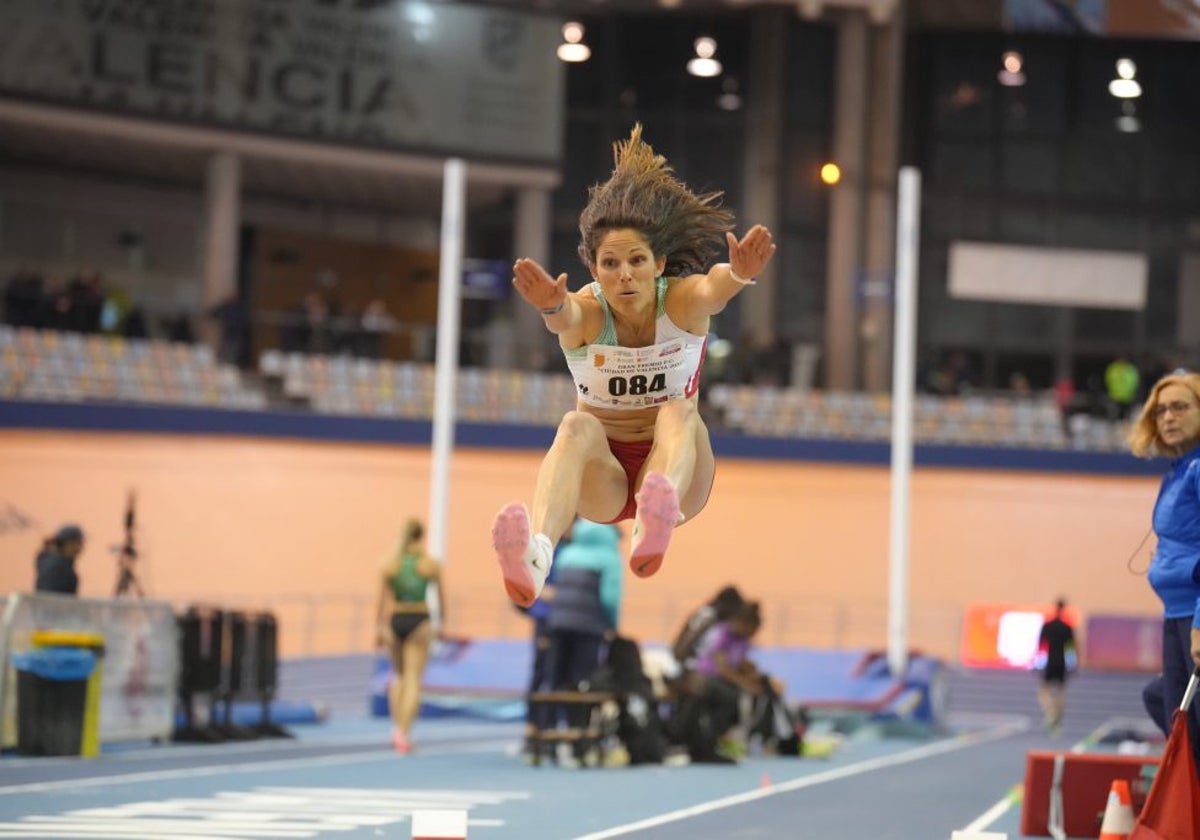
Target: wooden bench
column 588, row 737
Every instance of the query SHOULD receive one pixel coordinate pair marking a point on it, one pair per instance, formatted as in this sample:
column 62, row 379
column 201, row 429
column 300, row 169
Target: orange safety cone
column 1118, row 813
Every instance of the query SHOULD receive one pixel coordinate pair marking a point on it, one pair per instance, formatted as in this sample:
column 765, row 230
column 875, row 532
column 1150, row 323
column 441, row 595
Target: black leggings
column 403, row 624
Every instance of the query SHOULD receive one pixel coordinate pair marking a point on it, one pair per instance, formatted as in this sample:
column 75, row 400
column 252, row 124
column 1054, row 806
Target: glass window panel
column 1025, row 224
column 1098, row 230
column 802, row 272
column 588, row 160
column 805, row 199
column 1108, row 325
column 1162, row 313
column 1172, row 170
column 712, row 161
column 1029, row 167
column 970, row 217
column 1016, row 325
column 962, row 163
column 1102, row 164
column 963, row 94
column 1172, row 86
column 810, row 61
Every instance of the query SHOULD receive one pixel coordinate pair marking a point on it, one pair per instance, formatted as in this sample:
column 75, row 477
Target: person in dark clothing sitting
column 684, row 649
column 722, row 673
column 55, row 564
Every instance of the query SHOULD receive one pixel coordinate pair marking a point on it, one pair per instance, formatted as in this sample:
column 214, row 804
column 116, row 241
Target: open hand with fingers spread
column 536, row 285
column 750, row 256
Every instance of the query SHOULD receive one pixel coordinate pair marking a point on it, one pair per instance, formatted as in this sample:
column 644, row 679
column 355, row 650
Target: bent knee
column 678, row 412
column 579, row 427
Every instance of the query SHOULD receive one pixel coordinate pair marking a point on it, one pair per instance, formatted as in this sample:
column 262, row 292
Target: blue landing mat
column 477, row 677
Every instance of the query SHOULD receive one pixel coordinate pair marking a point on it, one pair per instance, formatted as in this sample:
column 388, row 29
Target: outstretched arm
column 550, row 297
column 747, row 259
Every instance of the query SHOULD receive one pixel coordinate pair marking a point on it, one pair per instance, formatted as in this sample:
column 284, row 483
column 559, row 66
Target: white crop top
column 627, row 378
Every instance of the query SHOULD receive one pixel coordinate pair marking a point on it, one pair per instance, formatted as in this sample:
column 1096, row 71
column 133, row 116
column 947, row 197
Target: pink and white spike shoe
column 657, row 515
column 524, row 562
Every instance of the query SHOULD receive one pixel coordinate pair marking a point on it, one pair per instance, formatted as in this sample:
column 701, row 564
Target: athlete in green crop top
column 404, row 627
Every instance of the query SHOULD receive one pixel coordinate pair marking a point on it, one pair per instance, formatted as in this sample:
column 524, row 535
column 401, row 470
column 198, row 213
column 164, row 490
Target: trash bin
column 48, row 708
column 52, row 688
column 94, row 642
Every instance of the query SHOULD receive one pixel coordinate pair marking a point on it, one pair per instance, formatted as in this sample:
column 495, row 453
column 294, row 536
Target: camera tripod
column 127, row 580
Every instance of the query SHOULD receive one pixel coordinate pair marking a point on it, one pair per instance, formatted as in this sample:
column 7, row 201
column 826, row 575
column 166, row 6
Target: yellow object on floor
column 818, row 747
column 89, row 742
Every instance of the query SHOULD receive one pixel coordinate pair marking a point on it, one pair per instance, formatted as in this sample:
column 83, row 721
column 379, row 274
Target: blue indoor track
column 340, row 778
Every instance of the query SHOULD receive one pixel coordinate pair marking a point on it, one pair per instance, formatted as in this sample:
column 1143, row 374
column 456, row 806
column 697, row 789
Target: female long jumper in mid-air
column 634, row 447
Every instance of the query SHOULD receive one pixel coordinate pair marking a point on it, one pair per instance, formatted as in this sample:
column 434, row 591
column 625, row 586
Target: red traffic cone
column 1118, row 813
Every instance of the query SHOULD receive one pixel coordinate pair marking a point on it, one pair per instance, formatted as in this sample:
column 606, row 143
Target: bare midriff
column 625, row 426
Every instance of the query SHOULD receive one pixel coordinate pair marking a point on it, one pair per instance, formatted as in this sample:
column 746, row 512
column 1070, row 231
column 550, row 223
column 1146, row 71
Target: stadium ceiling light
column 1125, row 86
column 572, row 49
column 730, row 99
column 1011, row 74
column 1128, row 122
column 704, row 64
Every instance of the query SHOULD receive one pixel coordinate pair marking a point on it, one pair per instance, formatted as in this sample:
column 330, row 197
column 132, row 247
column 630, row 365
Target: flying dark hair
column 643, row 194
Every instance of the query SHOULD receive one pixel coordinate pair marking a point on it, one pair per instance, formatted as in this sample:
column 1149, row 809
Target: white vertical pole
column 903, row 386
column 446, row 367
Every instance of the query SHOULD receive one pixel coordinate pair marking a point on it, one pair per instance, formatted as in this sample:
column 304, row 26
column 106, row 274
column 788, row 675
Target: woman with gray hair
column 635, row 446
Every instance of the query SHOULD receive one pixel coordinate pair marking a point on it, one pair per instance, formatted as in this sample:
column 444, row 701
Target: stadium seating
column 70, row 367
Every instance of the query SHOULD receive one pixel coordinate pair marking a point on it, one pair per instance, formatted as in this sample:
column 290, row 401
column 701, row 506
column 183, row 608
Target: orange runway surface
column 303, row 526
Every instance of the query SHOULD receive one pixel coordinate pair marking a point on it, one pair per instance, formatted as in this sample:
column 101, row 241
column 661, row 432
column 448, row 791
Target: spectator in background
column 373, row 327
column 1018, row 383
column 136, row 325
column 586, row 607
column 55, row 312
column 315, row 330
column 179, row 328
column 55, row 563
column 1057, row 657
column 723, row 605
column 1169, row 425
column 405, row 628
column 1064, row 399
column 86, row 295
column 114, row 311
column 724, row 673
column 233, row 326
column 1121, row 381
column 23, row 299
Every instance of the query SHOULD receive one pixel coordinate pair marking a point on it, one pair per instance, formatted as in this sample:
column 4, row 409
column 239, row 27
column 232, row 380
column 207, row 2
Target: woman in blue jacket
column 1170, row 425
